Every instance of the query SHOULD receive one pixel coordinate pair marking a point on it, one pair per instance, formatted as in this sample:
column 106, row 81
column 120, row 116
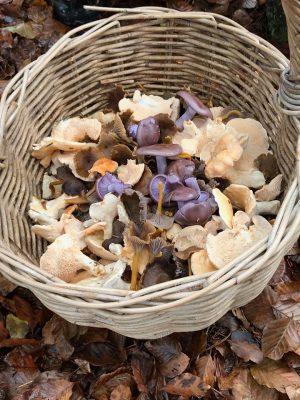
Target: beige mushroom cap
column 63, row 259
column 241, row 197
column 106, row 211
column 131, row 173
column 190, row 239
column 173, row 231
column 94, row 244
column 44, row 212
column 77, row 129
column 225, row 206
column 46, row 191
column 270, row 191
column 200, row 263
column 144, row 106
column 251, row 178
column 231, row 243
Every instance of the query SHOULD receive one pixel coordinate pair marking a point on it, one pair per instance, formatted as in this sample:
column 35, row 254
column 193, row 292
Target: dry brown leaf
column 121, row 392
column 246, row 388
column 247, row 351
column 293, row 393
column 186, row 385
column 279, row 337
column 52, row 389
column 289, row 290
column 143, row 368
column 263, row 303
column 206, row 368
column 275, row 375
column 175, row 366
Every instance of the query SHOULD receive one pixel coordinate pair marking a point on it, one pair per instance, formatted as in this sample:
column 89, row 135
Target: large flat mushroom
column 161, row 152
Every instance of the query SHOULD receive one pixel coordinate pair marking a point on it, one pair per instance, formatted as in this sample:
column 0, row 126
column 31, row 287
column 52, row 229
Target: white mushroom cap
column 231, row 243
column 94, row 244
column 200, row 263
column 251, row 178
column 130, row 173
column 110, row 277
column 270, row 191
column 267, row 207
column 144, row 106
column 63, row 259
column 173, row 231
column 241, row 197
column 44, row 212
column 77, row 129
column 106, row 211
column 225, row 207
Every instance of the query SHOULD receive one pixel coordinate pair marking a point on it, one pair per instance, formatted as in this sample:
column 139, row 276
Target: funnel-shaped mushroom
column 182, row 168
column 194, row 106
column 161, row 152
column 172, row 189
column 148, row 132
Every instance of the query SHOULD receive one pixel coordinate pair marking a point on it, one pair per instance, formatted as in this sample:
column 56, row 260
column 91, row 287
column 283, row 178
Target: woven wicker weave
column 164, row 51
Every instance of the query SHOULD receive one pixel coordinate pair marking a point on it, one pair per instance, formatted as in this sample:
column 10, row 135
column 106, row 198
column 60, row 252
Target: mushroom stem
column 161, row 163
column 135, row 269
column 188, row 115
column 160, row 198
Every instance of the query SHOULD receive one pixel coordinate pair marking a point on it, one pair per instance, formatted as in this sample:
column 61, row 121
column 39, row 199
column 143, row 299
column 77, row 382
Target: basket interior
column 162, row 56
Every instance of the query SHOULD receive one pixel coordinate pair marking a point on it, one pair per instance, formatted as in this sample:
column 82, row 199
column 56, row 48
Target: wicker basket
column 163, row 50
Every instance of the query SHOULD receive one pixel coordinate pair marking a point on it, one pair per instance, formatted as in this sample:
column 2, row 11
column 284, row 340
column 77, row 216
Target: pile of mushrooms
column 152, row 190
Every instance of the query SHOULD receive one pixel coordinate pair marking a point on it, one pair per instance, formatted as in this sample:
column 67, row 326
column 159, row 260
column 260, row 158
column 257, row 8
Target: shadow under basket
column 162, row 51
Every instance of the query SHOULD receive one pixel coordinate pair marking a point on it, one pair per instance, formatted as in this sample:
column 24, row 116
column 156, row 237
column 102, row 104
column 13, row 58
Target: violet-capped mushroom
column 182, row 168
column 148, row 132
column 161, row 152
column 194, row 106
column 194, row 214
column 108, row 183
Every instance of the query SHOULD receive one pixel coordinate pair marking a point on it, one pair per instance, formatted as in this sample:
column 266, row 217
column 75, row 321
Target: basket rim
column 215, row 281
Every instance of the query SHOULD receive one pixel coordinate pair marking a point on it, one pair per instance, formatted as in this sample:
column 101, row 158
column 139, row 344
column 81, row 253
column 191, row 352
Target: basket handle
column 292, row 13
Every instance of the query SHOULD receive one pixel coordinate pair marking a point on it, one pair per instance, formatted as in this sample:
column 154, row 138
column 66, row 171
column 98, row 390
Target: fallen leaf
column 205, row 368
column 121, row 392
column 3, row 331
column 34, row 316
column 93, row 335
column 84, row 366
column 289, row 290
column 239, row 313
column 53, row 389
column 263, row 303
column 143, row 368
column 16, row 327
column 247, row 351
column 279, row 337
column 246, row 388
column 18, row 358
column 186, row 385
column 11, row 342
column 292, row 360
column 102, row 353
column 275, row 375
column 193, row 343
column 58, row 332
column 5, row 285
column 14, row 381
column 23, row 29
column 293, row 393
column 229, row 321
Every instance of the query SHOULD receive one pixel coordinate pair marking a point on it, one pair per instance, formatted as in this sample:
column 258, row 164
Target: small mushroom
column 143, row 185
column 44, row 212
column 225, row 207
column 189, row 240
column 158, row 271
column 144, row 106
column 270, row 191
column 108, row 183
column 231, row 243
column 267, row 207
column 131, row 173
column 159, row 219
column 182, row 168
column 106, row 211
column 83, row 161
column 51, row 188
column 103, row 165
column 70, row 184
column 241, row 197
column 200, row 263
column 148, row 132
column 121, row 154
column 161, row 152
column 77, row 129
column 195, row 213
column 109, row 277
column 94, row 243
column 64, row 259
column 173, row 231
column 194, row 106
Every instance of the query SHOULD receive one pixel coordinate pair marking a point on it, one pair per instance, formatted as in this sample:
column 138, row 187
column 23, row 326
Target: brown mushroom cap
column 192, row 101
column 164, row 150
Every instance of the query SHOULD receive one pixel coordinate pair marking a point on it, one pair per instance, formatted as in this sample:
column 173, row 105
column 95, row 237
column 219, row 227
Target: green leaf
column 16, row 327
column 24, row 29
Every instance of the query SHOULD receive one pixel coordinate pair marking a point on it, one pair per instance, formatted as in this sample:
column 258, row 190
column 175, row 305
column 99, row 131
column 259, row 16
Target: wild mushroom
column 44, row 212
column 77, row 129
column 200, row 263
column 103, row 165
column 172, row 189
column 105, row 211
column 144, row 183
column 51, row 188
column 161, row 152
column 267, row 207
column 70, row 184
column 159, row 219
column 131, row 173
column 270, row 191
column 121, row 154
column 63, row 259
column 181, row 168
column 148, row 132
column 173, row 231
column 94, row 243
column 231, row 243
column 110, row 277
column 241, row 197
column 108, row 183
column 194, row 106
column 189, row 240
column 144, row 106
column 225, row 206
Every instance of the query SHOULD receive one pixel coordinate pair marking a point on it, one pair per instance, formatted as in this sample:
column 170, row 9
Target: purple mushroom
column 194, row 106
column 148, row 132
column 161, row 152
column 108, row 183
column 182, row 168
column 172, row 189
